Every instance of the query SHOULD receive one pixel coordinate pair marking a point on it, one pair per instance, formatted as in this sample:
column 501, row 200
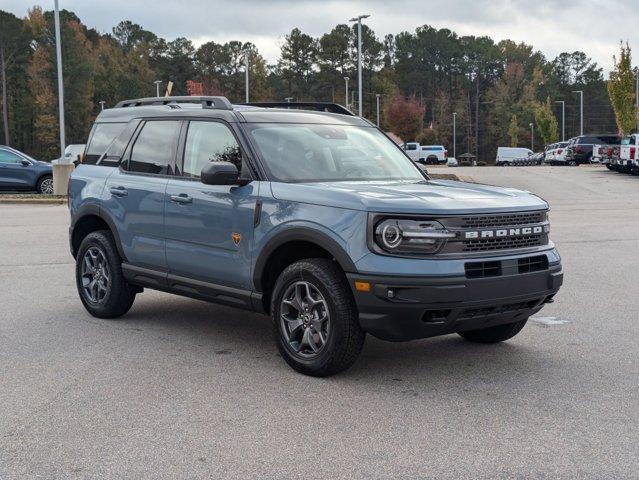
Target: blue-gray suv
column 19, row 171
column 306, row 213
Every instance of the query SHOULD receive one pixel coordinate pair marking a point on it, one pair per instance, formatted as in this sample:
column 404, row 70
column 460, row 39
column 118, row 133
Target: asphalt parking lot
column 183, row 389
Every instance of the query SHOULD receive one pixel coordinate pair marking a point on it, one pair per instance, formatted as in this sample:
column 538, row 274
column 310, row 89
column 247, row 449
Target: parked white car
column 71, row 153
column 557, row 153
column 507, row 155
column 452, row 162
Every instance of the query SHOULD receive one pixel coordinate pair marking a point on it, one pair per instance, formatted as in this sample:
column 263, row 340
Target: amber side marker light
column 362, row 286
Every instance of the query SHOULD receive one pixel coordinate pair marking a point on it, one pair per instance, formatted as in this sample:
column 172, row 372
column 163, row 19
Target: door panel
column 135, row 193
column 136, row 204
column 200, row 234
column 209, row 228
column 12, row 173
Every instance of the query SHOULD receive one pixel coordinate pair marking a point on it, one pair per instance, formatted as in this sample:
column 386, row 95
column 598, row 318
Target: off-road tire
column 43, row 183
column 495, row 334
column 120, row 295
column 345, row 339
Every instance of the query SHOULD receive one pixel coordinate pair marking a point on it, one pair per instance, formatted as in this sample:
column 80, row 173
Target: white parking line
column 548, row 321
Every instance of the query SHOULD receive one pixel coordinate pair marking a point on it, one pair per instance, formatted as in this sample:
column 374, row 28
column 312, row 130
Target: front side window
column 210, row 142
column 315, row 153
column 154, row 149
column 9, row 157
column 102, row 136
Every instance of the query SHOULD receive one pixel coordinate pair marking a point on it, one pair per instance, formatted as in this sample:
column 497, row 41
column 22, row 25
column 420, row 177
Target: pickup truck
column 580, row 149
column 308, row 214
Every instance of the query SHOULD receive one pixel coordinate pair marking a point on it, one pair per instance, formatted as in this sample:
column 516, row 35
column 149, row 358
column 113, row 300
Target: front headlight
column 406, row 236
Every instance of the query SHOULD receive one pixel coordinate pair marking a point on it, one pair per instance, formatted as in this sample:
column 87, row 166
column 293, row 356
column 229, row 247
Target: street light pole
column 346, row 95
column 288, row 99
column 157, row 87
column 532, row 137
column 101, row 102
column 637, row 99
column 377, row 95
column 58, row 54
column 581, row 116
column 455, row 135
column 563, row 119
column 246, row 68
column 359, row 59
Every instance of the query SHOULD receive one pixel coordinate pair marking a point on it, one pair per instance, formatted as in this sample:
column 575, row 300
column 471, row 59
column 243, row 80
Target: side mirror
column 221, row 173
column 25, row 163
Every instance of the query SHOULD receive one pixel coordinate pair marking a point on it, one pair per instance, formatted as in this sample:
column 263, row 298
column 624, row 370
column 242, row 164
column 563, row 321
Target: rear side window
column 154, row 148
column 210, row 142
column 101, row 137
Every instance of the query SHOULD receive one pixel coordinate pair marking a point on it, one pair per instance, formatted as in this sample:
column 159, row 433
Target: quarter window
column 210, row 142
column 154, row 149
column 103, row 135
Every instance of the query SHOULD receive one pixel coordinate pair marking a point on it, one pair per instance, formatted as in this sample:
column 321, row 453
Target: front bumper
column 401, row 308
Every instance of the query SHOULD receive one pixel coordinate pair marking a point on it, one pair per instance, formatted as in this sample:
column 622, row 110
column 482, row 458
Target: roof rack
column 220, row 103
column 319, row 106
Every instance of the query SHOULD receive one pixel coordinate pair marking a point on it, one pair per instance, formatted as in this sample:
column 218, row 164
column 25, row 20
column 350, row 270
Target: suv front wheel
column 315, row 318
column 103, row 290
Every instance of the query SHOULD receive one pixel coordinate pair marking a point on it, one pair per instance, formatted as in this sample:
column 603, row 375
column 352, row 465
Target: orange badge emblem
column 236, row 237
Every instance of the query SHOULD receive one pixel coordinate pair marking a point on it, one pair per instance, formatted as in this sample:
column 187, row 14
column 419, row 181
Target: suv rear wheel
column 315, row 318
column 103, row 290
column 45, row 185
column 495, row 334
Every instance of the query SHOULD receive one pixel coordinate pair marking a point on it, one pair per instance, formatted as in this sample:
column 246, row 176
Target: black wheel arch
column 91, row 218
column 299, row 235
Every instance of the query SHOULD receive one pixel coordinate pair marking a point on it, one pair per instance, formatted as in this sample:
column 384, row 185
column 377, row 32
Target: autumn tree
column 621, row 89
column 404, row 117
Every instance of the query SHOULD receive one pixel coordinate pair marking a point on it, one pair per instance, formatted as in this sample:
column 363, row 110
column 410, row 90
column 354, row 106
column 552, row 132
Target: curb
column 33, row 201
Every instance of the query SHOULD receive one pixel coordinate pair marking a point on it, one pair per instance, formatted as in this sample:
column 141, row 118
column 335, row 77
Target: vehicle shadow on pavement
column 222, row 330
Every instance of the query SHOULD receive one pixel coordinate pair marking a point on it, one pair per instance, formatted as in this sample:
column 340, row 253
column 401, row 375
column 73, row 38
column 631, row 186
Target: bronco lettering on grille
column 506, row 232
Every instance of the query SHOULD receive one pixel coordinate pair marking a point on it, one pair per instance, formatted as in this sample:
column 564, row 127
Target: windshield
column 316, row 153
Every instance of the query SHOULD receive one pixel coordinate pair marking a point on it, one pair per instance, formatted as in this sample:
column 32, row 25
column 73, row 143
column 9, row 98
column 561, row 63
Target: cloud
column 551, row 26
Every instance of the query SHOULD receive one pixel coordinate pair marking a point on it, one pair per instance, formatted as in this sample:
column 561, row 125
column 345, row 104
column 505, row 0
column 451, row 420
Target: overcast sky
column 552, row 26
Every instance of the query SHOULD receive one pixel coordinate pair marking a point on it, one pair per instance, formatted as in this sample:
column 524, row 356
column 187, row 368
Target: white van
column 506, row 155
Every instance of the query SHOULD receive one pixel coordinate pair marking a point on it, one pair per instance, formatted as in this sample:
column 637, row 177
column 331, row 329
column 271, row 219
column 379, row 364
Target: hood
column 427, row 197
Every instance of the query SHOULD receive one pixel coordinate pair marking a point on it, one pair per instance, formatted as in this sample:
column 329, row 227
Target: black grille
column 483, row 221
column 483, row 269
column 501, row 309
column 486, row 244
column 533, row 264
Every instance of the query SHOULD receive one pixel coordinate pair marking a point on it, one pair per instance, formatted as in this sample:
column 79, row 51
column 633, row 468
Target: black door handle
column 118, row 191
column 182, row 198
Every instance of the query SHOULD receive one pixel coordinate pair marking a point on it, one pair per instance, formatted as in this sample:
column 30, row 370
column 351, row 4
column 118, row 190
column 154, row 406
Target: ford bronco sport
column 313, row 216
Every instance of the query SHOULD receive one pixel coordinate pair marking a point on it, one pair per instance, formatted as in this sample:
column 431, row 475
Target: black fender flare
column 305, row 234
column 95, row 211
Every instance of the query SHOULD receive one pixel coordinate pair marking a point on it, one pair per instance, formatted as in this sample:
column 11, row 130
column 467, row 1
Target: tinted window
column 210, row 142
column 411, row 146
column 433, row 149
column 154, row 149
column 9, row 157
column 102, row 136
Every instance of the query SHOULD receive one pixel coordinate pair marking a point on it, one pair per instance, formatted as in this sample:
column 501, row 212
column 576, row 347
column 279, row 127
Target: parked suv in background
column 314, row 217
column 579, row 149
column 18, row 171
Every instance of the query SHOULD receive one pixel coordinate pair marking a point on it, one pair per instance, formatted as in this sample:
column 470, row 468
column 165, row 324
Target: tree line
column 496, row 89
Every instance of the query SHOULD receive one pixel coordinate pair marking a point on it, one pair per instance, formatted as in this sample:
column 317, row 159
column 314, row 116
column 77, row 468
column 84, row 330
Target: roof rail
column 319, row 106
column 220, row 103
